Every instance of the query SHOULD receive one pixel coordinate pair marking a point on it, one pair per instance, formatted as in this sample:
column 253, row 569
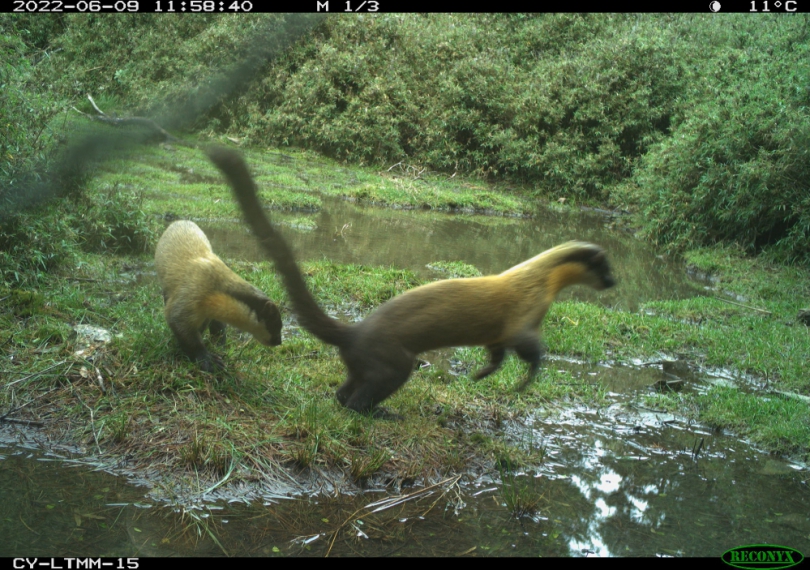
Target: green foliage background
column 697, row 123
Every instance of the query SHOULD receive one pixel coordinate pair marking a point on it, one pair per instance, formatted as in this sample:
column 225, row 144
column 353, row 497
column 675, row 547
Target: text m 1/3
column 356, row 6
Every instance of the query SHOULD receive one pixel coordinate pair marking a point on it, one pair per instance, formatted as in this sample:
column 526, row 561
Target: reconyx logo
column 762, row 556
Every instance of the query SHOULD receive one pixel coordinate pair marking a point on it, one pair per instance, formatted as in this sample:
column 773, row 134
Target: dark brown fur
column 498, row 311
column 200, row 291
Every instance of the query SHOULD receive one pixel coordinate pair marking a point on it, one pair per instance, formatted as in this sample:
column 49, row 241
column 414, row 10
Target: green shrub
column 34, row 243
column 736, row 168
column 541, row 99
column 115, row 222
column 25, row 113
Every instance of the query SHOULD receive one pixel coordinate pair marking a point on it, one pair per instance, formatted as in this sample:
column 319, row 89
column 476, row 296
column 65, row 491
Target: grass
column 273, row 406
column 139, row 396
column 518, row 492
column 188, row 184
column 454, row 269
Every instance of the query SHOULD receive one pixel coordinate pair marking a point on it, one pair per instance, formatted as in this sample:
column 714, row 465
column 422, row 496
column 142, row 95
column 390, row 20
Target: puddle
column 346, row 232
column 634, row 486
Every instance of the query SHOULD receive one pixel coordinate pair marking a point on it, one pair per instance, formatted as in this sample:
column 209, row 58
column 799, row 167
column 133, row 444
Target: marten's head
column 592, row 267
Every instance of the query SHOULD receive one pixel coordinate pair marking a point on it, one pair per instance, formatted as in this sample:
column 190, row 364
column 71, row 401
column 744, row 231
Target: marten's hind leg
column 372, row 380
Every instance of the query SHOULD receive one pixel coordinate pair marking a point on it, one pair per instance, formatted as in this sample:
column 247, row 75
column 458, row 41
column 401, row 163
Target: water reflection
column 637, row 488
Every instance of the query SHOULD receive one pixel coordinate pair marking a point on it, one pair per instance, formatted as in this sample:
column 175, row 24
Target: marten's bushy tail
column 310, row 315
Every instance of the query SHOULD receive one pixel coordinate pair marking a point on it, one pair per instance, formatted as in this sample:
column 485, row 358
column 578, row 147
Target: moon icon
column 714, row 6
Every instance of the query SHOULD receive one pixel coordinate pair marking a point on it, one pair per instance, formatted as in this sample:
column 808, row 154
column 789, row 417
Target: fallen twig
column 5, row 417
column 741, row 305
column 119, row 121
column 33, row 423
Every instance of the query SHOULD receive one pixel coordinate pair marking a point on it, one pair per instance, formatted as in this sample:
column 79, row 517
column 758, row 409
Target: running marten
column 199, row 290
column 499, row 312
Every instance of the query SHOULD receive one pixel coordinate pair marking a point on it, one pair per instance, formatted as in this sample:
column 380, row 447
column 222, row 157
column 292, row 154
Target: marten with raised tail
column 499, row 312
column 200, row 291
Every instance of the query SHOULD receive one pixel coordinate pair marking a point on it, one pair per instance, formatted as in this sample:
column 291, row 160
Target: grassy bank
column 138, row 396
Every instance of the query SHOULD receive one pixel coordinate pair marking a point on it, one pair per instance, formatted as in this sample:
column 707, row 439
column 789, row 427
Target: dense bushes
column 34, row 243
column 699, row 122
column 114, row 222
column 545, row 99
column 37, row 241
column 25, row 114
column 736, row 167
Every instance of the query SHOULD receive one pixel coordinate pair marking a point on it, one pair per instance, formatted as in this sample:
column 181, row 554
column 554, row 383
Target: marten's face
column 599, row 270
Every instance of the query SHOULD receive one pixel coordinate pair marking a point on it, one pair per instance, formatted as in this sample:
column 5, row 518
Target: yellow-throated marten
column 499, row 312
column 200, row 290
